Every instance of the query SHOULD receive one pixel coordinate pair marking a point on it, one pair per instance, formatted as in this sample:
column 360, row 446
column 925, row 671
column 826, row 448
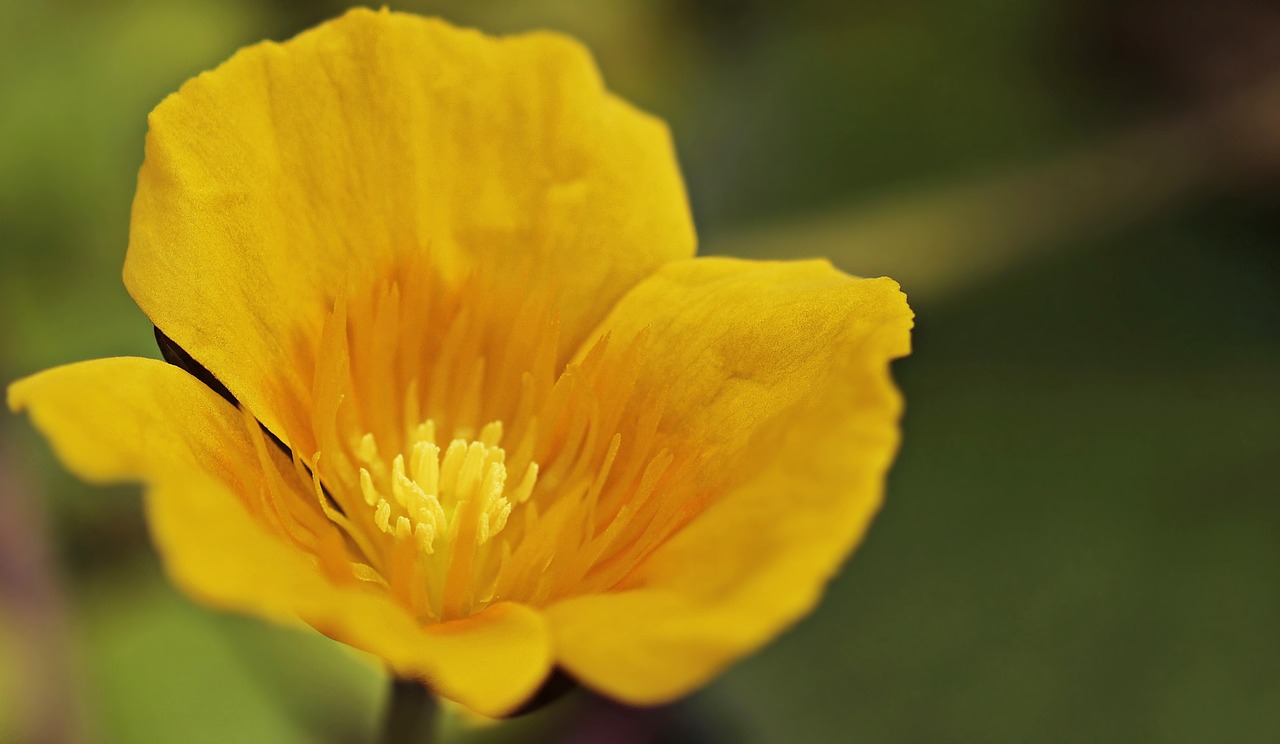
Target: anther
column 367, row 488
column 368, row 449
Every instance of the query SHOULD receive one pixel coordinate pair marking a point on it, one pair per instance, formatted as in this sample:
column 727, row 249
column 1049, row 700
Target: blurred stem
column 411, row 714
column 940, row 239
column 945, row 238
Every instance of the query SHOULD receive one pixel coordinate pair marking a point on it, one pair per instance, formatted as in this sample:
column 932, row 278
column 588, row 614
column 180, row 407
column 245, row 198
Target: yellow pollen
column 438, row 504
column 426, row 535
column 367, row 488
column 382, row 516
column 367, row 450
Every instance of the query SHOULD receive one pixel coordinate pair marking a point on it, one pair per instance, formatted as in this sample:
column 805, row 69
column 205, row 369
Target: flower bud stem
column 410, row 715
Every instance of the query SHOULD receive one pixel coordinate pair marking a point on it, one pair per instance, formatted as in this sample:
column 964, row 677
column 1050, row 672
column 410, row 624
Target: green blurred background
column 1082, row 537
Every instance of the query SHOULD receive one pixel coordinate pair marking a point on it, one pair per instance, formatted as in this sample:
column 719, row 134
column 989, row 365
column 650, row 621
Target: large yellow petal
column 142, row 420
column 273, row 180
column 778, row 373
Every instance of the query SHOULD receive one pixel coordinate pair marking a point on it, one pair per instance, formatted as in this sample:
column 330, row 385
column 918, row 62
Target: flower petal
column 140, row 419
column 271, row 181
column 131, row 419
column 778, row 374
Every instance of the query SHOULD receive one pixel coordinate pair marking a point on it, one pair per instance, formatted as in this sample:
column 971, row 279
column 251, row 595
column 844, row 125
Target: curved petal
column 271, row 181
column 779, row 374
column 143, row 420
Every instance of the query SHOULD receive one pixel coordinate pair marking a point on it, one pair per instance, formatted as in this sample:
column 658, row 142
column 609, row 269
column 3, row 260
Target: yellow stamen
column 368, row 449
column 382, row 517
column 441, row 507
column 464, row 509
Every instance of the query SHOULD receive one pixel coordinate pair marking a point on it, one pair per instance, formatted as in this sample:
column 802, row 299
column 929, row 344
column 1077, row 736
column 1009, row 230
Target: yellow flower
column 484, row 414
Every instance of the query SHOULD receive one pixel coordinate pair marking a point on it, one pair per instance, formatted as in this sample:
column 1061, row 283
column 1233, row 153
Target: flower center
column 437, row 508
column 407, row 489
